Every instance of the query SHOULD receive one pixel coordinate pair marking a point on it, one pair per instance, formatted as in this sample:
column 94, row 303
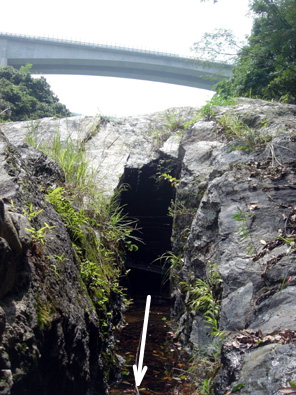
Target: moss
column 44, row 312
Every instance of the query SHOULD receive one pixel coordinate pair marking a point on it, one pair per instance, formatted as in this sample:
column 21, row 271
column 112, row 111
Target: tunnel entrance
column 147, row 199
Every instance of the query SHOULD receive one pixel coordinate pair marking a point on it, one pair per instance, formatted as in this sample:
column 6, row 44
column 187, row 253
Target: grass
column 99, row 230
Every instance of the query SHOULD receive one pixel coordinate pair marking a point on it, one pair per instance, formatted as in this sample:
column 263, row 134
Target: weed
column 30, row 213
column 248, row 139
column 245, row 218
column 203, row 369
column 208, row 110
column 173, row 121
column 99, row 233
column 172, row 180
column 201, row 296
column 38, row 235
column 173, row 263
column 177, row 208
column 98, row 229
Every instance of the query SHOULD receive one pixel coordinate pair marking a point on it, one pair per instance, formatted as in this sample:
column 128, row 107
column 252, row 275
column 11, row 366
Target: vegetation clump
column 99, row 230
column 23, row 97
column 264, row 66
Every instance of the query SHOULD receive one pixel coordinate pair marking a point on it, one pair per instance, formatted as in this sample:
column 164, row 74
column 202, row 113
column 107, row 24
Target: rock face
column 233, row 182
column 51, row 341
column 245, row 225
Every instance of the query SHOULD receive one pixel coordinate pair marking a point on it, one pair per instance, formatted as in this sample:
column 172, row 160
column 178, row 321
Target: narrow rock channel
column 162, row 354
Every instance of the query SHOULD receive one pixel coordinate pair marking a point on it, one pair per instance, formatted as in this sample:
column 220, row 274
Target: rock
column 50, row 332
column 242, row 297
column 244, row 203
column 233, row 211
column 2, row 321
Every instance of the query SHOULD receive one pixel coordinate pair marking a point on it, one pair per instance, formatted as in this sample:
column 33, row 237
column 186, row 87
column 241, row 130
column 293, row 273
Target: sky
column 162, row 25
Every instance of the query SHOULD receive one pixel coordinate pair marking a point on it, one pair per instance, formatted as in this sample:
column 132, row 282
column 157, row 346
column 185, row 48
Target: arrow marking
column 139, row 371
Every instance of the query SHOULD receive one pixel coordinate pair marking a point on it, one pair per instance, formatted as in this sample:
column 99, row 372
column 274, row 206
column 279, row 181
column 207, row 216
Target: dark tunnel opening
column 147, row 199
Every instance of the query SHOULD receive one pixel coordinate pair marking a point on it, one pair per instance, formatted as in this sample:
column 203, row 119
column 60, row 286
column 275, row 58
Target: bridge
column 59, row 56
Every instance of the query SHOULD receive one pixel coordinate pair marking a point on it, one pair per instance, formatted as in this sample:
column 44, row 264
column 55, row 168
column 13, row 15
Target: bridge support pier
column 3, row 57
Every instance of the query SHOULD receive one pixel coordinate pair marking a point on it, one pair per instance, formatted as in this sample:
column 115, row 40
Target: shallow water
column 163, row 357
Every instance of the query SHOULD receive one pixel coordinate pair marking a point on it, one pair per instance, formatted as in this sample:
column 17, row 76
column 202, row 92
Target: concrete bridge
column 57, row 56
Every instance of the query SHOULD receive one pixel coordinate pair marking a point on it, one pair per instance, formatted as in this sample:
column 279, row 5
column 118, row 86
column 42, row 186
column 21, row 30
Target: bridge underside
column 119, row 70
column 66, row 57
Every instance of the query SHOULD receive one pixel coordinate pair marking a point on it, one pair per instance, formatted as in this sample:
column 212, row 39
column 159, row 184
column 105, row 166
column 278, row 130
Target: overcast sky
column 165, row 25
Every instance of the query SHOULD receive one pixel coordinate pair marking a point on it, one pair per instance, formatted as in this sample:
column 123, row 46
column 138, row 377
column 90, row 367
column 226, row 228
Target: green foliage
column 244, row 229
column 43, row 313
column 23, row 97
column 266, row 66
column 70, row 155
column 173, row 263
column 247, row 139
column 73, row 218
column 99, row 230
column 173, row 121
column 101, row 257
column 219, row 46
column 174, row 182
column 38, row 235
column 201, row 296
column 208, row 110
column 204, row 367
column 30, row 213
column 237, row 388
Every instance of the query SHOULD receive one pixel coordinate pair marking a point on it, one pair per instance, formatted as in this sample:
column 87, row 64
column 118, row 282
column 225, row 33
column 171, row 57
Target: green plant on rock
column 208, row 110
column 30, row 213
column 73, row 218
column 173, row 121
column 174, row 182
column 99, row 234
column 44, row 312
column 173, row 264
column 201, row 296
column 204, row 366
column 178, row 208
column 244, row 229
column 70, row 155
column 245, row 138
column 38, row 235
column 99, row 230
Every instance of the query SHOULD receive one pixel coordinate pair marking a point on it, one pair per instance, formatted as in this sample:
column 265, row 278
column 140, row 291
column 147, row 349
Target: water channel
column 166, row 363
column 147, row 200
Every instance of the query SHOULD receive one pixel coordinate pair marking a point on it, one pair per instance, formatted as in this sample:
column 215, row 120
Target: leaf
column 292, row 384
column 237, row 387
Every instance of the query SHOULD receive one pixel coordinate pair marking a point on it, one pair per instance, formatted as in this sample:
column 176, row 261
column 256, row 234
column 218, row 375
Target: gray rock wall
column 226, row 170
column 258, row 267
column 50, row 337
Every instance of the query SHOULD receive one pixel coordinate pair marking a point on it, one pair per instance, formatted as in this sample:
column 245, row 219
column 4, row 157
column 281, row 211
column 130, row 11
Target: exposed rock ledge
column 216, row 180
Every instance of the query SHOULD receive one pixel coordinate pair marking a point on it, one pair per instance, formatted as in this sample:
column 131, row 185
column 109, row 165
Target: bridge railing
column 56, row 39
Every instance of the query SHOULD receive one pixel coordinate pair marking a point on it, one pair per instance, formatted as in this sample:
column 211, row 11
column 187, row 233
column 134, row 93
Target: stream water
column 166, row 363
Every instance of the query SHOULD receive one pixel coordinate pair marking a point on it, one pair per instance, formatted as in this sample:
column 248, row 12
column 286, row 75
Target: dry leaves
column 250, row 339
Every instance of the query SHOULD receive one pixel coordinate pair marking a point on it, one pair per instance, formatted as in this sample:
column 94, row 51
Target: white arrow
column 139, row 371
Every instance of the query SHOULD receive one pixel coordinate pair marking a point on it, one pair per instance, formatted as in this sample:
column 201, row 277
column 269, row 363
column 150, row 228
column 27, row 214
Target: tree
column 266, row 66
column 23, row 97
